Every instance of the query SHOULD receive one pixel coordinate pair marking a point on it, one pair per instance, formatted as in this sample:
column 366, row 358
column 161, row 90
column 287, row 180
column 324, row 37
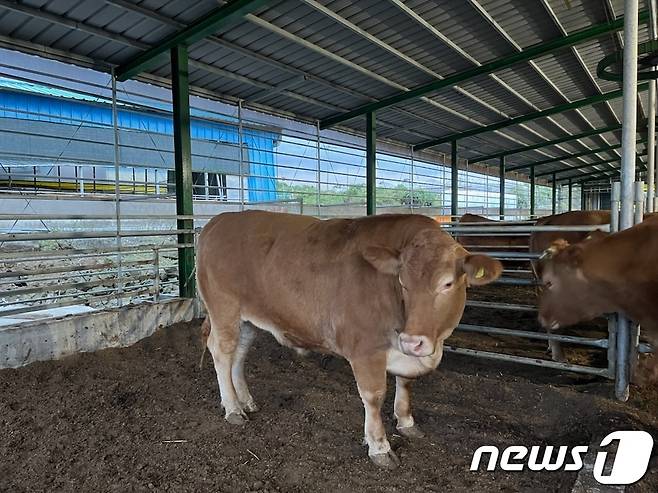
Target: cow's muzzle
column 415, row 345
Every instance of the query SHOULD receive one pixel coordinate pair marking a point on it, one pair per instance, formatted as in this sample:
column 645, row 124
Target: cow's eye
column 548, row 284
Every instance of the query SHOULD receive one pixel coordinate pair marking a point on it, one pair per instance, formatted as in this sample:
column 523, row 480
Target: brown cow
column 384, row 292
column 508, row 242
column 541, row 240
column 615, row 273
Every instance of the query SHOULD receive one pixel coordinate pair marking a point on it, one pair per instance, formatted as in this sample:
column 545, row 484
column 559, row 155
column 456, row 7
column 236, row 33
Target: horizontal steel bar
column 125, row 293
column 500, row 306
column 510, row 255
column 69, row 268
column 70, row 285
column 603, row 372
column 515, row 282
column 525, row 229
column 19, row 257
column 583, row 341
column 78, row 235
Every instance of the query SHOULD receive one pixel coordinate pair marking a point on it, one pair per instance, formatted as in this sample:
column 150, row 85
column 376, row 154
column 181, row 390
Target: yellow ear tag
column 480, row 273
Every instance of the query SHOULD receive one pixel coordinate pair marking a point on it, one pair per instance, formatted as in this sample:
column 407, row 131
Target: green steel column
column 454, row 181
column 582, row 195
column 371, row 164
column 532, row 191
column 554, row 196
column 501, row 174
column 570, row 194
column 183, row 167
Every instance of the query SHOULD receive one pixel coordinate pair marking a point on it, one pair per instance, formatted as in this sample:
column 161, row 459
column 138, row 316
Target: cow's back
column 488, row 240
column 540, row 241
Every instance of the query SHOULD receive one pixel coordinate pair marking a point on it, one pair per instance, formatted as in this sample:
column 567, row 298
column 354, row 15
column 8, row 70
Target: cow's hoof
column 250, row 407
column 237, row 419
column 386, row 461
column 411, row 432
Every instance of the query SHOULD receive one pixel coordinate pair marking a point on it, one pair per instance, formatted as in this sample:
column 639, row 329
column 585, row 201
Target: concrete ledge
column 54, row 338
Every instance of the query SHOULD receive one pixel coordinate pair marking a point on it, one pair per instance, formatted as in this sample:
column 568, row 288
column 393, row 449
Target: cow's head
column 566, row 295
column 433, row 272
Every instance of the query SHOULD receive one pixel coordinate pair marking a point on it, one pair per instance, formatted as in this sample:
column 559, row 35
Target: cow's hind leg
column 247, row 336
column 370, row 375
column 402, row 409
column 222, row 343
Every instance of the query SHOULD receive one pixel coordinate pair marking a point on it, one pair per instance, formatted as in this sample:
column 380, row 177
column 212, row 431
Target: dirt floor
column 146, row 418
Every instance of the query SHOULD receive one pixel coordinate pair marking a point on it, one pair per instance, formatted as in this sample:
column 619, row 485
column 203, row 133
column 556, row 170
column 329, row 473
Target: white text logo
column 630, row 462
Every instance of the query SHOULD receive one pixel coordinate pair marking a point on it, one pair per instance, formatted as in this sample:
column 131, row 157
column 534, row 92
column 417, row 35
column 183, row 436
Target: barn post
column 651, row 118
column 532, row 191
column 501, row 174
column 629, row 128
column 454, row 181
column 583, row 202
column 554, row 196
column 183, row 168
column 371, row 164
column 570, row 194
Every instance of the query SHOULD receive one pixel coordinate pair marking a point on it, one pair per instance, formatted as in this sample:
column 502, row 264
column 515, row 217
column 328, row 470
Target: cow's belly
column 402, row 365
column 289, row 338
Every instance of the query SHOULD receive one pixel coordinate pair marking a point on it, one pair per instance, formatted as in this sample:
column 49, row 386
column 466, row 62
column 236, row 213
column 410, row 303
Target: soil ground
column 146, row 418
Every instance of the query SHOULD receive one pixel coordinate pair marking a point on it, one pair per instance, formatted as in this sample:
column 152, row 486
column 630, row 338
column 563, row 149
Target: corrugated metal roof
column 317, row 58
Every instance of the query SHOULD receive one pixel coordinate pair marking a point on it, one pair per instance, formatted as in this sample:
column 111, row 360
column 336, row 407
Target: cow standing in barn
column 384, row 292
column 613, row 273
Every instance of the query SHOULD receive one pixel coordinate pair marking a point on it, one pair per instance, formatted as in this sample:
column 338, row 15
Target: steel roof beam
column 573, row 156
column 487, row 68
column 533, row 147
column 602, row 172
column 598, row 98
column 535, row 66
column 448, row 42
column 587, row 165
column 209, row 24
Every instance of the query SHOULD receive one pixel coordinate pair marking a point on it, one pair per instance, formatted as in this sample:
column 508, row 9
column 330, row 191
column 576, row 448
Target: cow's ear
column 572, row 256
column 481, row 269
column 383, row 259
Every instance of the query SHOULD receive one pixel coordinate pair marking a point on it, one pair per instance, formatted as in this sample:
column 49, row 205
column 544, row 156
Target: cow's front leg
column 402, row 409
column 370, row 375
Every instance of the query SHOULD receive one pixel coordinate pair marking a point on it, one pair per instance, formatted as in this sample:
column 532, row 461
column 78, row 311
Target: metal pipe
column 183, row 166
column 241, row 154
column 583, row 202
column 528, row 361
column 411, row 180
column 651, row 117
column 501, row 306
column 371, row 164
column 570, row 194
column 532, row 191
column 117, row 186
column 615, row 198
column 319, row 169
column 638, row 215
column 554, row 196
column 454, row 180
column 501, row 174
column 583, row 341
column 629, row 128
column 465, row 230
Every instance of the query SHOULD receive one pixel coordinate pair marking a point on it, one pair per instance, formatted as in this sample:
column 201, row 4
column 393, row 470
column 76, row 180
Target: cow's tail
column 205, row 333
